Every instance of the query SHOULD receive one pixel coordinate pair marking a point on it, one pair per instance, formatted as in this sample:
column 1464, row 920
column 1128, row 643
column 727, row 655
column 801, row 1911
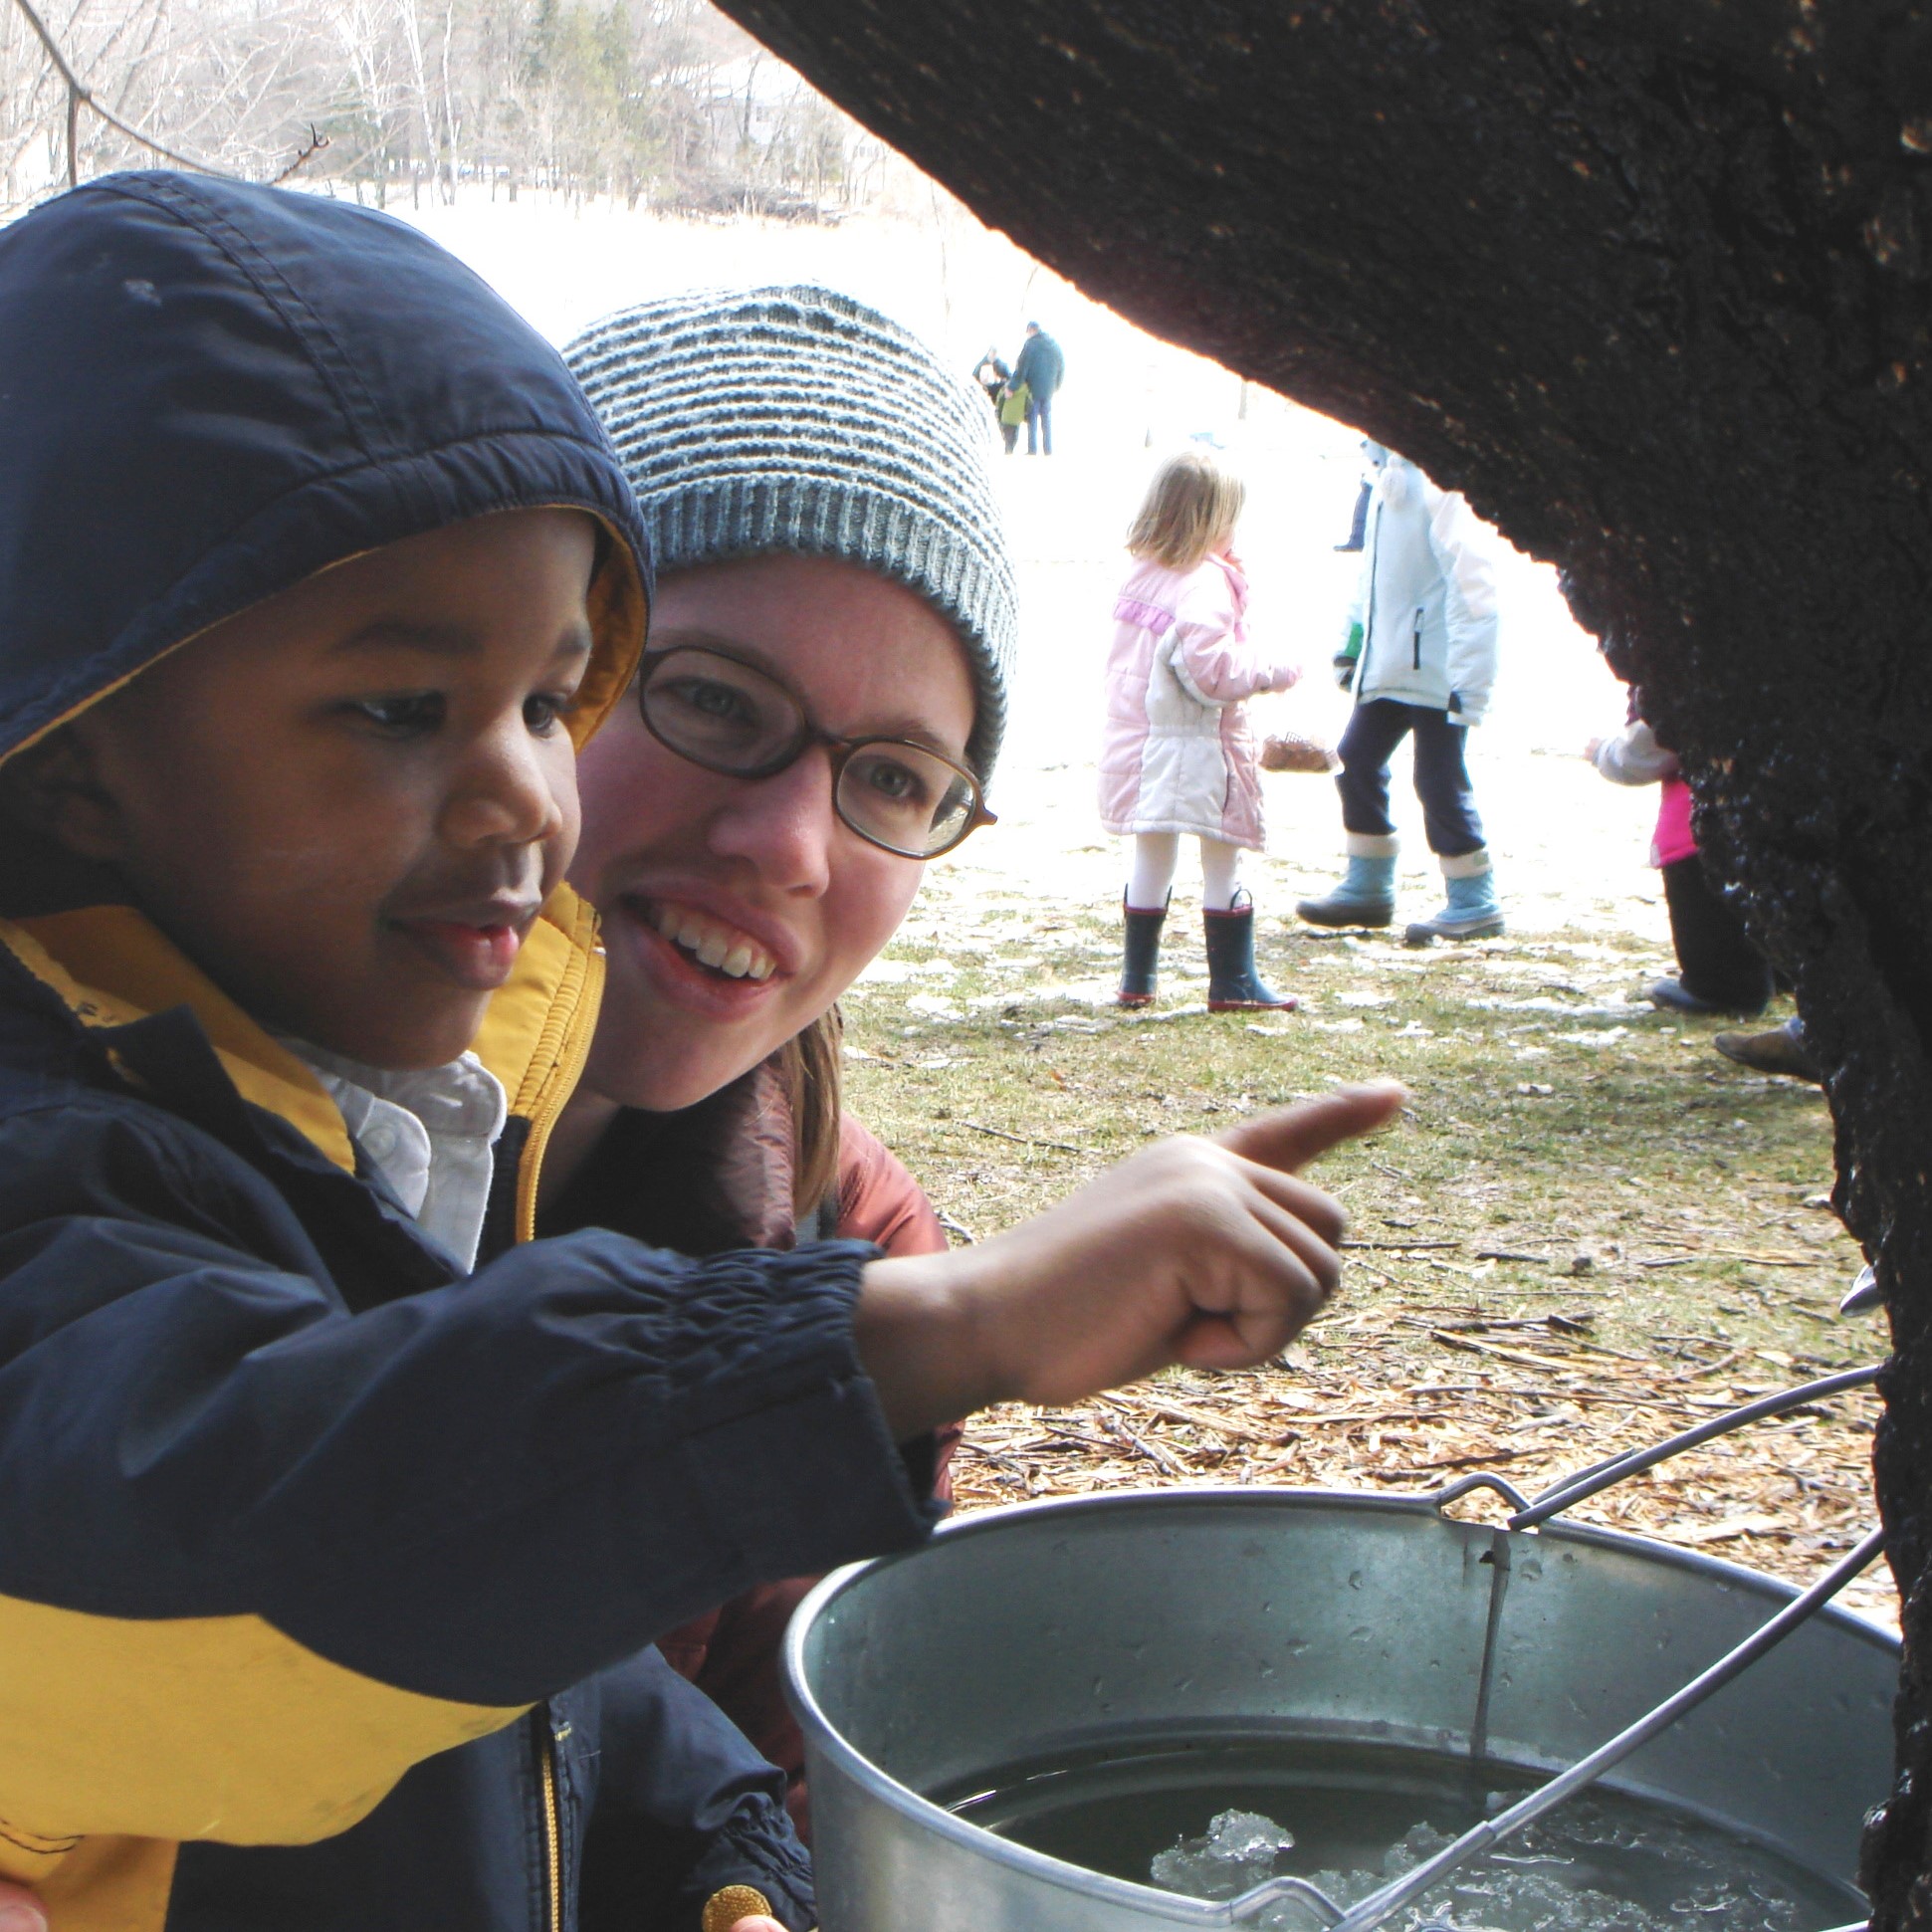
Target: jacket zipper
column 1369, row 614
column 552, row 1819
column 1419, row 637
column 566, row 1049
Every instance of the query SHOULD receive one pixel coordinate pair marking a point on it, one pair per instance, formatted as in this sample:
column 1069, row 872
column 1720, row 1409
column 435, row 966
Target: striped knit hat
column 797, row 420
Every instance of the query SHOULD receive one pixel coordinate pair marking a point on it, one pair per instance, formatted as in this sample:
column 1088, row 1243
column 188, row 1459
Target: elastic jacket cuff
column 755, row 1865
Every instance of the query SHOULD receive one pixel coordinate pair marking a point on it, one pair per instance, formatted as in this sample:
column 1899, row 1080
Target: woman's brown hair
column 1191, row 507
column 808, row 1063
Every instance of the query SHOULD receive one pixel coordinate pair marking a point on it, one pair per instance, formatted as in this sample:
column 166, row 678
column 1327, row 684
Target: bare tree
column 658, row 99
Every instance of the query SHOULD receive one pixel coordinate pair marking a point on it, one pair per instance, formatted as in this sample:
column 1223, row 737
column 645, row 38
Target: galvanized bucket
column 1060, row 1627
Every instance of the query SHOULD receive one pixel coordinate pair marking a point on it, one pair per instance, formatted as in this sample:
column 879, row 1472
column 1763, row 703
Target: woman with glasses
column 820, row 701
column 819, row 704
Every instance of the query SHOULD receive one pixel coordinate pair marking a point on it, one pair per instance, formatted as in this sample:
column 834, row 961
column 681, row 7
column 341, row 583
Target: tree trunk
column 1652, row 282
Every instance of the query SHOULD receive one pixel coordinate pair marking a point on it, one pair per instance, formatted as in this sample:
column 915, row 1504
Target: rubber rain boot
column 1473, row 912
column 1233, row 985
column 1143, row 953
column 1671, row 995
column 1367, row 894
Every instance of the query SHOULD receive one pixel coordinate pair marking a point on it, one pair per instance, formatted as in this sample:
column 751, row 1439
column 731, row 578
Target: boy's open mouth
column 709, row 941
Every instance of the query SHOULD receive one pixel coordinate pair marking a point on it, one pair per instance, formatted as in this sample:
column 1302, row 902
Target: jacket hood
column 210, row 391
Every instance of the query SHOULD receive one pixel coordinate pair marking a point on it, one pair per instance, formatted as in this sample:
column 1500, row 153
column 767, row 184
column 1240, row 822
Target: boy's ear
column 54, row 789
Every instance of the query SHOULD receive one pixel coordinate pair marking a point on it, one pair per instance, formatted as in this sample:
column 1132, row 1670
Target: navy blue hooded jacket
column 325, row 1575
column 1042, row 365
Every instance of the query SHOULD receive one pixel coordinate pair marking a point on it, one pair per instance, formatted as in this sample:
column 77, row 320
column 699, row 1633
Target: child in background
column 1177, row 755
column 1719, row 970
column 334, row 1524
column 1418, row 650
column 1013, row 398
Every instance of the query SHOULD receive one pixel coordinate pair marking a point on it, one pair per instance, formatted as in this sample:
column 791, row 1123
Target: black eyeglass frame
column 810, row 733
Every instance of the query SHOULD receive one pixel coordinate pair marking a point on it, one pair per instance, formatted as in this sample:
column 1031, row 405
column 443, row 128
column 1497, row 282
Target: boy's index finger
column 1293, row 1135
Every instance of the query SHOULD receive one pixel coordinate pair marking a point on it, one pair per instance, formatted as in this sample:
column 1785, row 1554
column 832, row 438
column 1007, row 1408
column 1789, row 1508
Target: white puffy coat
column 1426, row 599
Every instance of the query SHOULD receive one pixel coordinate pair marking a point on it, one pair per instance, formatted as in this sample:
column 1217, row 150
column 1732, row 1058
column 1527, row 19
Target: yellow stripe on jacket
column 201, row 1727
column 122, row 1736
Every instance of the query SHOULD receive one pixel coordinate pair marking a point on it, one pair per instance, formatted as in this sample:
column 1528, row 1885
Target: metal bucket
column 1060, row 1627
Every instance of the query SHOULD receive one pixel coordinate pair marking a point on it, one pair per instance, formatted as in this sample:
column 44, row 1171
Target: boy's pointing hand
column 1207, row 1252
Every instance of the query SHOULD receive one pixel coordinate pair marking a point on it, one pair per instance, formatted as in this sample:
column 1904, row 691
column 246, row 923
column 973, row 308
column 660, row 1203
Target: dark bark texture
column 1652, row 282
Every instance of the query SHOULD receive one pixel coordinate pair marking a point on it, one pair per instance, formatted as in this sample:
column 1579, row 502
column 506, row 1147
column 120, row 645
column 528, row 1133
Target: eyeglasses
column 732, row 717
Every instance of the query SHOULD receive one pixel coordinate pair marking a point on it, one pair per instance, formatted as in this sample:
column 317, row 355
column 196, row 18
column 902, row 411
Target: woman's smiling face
column 736, row 911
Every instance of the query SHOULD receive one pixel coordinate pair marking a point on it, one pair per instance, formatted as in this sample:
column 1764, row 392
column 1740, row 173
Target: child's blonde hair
column 1191, row 507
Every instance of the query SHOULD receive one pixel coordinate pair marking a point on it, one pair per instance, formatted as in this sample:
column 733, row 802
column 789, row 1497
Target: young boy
column 317, row 835
column 334, row 1525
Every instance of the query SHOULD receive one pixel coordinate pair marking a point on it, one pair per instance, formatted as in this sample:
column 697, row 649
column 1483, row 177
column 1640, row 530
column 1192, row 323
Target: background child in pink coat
column 1177, row 755
column 1719, row 970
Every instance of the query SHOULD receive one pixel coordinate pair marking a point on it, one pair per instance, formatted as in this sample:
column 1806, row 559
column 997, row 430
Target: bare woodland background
column 660, row 102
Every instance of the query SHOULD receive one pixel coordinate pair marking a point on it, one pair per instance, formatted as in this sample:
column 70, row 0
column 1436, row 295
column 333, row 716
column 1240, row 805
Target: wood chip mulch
column 1411, row 1401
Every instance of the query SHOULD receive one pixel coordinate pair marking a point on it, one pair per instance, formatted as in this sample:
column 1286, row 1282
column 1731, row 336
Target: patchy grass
column 1568, row 1152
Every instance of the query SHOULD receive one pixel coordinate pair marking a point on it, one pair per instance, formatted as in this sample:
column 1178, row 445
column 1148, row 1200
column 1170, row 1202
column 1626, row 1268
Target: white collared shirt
column 430, row 1132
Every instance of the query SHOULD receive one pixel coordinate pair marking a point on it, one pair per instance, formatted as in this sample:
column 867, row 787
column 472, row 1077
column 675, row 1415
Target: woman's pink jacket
column 1176, row 752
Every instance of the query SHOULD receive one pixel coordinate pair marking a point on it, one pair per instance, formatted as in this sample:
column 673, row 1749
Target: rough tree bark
column 1651, row 281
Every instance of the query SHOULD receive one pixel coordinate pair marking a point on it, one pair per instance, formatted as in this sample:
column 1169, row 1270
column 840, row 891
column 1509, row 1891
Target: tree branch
column 315, row 144
column 79, row 95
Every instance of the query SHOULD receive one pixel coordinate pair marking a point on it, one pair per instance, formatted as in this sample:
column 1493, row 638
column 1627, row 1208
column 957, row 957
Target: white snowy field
column 1570, row 848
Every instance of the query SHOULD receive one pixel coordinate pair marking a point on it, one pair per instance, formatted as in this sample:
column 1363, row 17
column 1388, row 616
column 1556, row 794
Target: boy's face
column 348, row 804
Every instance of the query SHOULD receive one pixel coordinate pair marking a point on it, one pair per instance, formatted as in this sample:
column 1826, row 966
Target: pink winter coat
column 1673, row 838
column 1175, row 752
column 1634, row 757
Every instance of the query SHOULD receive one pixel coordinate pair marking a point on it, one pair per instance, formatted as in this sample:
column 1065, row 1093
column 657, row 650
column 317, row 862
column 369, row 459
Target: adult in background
column 1041, row 369
column 1420, row 652
column 992, row 375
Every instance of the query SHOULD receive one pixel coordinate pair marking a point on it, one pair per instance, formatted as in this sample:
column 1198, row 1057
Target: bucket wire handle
column 1601, row 1475
column 1482, row 1479
column 1574, row 1488
column 1370, row 1911
column 1271, row 1892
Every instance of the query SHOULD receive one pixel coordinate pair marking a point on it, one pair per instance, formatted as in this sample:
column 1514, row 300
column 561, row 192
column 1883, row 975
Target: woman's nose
column 783, row 826
column 505, row 791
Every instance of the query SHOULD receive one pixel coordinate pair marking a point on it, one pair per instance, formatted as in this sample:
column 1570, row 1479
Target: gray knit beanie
column 797, row 420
